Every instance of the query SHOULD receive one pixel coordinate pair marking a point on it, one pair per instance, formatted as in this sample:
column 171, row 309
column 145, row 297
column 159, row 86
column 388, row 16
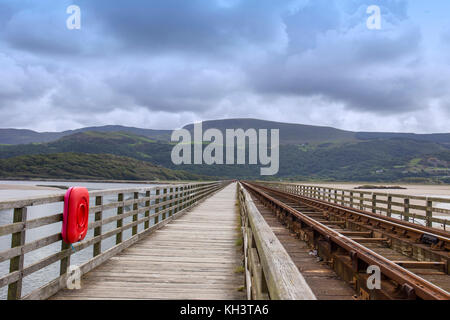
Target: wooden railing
column 416, row 209
column 148, row 209
column 270, row 272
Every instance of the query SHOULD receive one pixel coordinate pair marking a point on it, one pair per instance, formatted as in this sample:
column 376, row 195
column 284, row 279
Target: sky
column 162, row 64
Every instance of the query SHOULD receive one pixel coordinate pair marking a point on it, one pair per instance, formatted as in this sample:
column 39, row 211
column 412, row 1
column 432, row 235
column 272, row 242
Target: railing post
column 177, row 202
column 184, row 200
column 120, row 221
column 135, row 216
column 16, row 263
column 147, row 212
column 188, row 196
column 157, row 207
column 429, row 213
column 335, row 196
column 342, row 197
column 172, row 203
column 406, row 209
column 374, row 203
column 351, row 199
column 98, row 230
column 183, row 194
column 389, row 206
column 164, row 206
column 361, row 201
column 64, row 262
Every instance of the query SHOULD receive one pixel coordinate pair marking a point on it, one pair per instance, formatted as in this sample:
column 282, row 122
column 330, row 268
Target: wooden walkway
column 193, row 257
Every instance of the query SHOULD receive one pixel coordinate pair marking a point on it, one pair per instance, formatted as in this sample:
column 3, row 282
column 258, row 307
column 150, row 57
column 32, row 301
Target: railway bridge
column 229, row 240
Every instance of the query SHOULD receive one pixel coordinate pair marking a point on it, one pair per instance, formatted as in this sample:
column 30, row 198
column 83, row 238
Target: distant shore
column 26, row 187
column 436, row 190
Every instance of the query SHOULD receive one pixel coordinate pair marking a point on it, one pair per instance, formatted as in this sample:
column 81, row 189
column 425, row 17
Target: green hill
column 372, row 160
column 87, row 166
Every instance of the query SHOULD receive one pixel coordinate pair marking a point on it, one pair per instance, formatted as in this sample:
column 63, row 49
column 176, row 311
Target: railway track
column 413, row 260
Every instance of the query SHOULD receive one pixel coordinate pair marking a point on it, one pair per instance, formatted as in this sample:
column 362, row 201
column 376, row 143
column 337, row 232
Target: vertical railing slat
column 389, row 206
column 98, row 230
column 147, row 212
column 16, row 263
column 361, row 201
column 120, row 221
column 374, row 203
column 157, row 192
column 135, row 216
column 429, row 213
column 406, row 209
column 164, row 206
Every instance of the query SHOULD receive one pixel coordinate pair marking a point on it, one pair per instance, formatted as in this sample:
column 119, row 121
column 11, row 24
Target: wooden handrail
column 270, row 271
column 161, row 202
column 416, row 209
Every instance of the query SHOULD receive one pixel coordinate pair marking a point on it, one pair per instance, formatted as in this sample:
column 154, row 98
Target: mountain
column 380, row 159
column 434, row 137
column 289, row 133
column 23, row 136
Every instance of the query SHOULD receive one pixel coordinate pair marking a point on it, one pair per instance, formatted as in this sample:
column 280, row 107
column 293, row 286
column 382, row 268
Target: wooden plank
column 53, row 287
column 16, row 263
column 11, row 228
column 28, row 247
column 199, row 191
column 177, row 261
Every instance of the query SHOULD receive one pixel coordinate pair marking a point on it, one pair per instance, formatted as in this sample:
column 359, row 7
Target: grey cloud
column 203, row 27
column 147, row 61
column 177, row 87
column 308, row 22
column 366, row 70
column 22, row 82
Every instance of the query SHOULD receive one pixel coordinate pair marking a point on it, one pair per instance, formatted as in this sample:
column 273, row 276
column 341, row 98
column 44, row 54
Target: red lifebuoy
column 76, row 214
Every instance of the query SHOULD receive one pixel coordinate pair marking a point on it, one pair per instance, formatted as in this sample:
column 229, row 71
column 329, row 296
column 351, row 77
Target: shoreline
column 26, row 187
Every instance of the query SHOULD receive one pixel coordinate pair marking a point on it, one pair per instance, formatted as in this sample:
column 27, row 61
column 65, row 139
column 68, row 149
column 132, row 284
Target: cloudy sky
column 165, row 63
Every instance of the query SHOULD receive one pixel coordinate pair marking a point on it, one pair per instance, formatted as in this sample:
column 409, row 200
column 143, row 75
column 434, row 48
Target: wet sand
column 25, row 187
column 18, row 191
column 411, row 189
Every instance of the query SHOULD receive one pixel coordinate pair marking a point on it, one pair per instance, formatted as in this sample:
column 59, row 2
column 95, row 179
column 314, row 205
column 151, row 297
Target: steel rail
column 413, row 229
column 422, row 288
